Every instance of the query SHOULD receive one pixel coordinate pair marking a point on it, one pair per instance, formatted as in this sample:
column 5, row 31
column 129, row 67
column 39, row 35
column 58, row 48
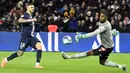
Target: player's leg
column 92, row 52
column 14, row 55
column 39, row 55
column 35, row 43
column 113, row 64
column 103, row 59
column 11, row 57
column 19, row 53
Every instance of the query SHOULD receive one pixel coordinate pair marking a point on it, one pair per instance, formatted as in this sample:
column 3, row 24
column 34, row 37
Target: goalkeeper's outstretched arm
column 87, row 35
column 96, row 32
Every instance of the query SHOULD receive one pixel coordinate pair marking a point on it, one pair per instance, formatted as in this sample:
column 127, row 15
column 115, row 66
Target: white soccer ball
column 67, row 39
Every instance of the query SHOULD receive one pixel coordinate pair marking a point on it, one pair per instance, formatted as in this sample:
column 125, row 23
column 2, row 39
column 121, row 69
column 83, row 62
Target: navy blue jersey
column 28, row 28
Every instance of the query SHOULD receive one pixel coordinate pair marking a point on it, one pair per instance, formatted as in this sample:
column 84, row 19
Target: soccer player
column 27, row 37
column 106, row 47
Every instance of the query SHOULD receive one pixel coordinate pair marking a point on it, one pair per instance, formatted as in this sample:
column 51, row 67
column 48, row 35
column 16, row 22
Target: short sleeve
column 24, row 16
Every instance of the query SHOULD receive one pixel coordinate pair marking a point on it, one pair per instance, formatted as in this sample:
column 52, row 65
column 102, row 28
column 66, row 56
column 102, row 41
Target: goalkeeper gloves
column 79, row 36
column 115, row 32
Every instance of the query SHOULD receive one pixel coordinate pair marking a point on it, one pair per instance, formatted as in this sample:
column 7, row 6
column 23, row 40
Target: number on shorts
column 22, row 45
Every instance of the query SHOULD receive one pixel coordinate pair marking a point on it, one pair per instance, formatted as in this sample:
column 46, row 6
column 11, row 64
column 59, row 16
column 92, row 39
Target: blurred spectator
column 73, row 23
column 20, row 4
column 120, row 23
column 127, row 24
column 13, row 10
column 123, row 7
column 38, row 23
column 1, row 23
column 15, row 26
column 115, row 6
column 44, row 22
column 90, row 24
column 68, row 15
column 8, row 22
column 72, row 10
column 43, row 8
column 81, row 22
column 65, row 21
column 93, row 3
column 113, row 23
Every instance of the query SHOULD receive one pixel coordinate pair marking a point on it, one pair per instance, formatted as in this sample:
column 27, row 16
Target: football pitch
column 54, row 63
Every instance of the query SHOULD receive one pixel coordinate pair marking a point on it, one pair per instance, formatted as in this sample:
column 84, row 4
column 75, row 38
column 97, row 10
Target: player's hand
column 115, row 32
column 78, row 36
column 34, row 19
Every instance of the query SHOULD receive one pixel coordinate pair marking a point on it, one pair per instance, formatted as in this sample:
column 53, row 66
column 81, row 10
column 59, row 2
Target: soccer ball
column 67, row 39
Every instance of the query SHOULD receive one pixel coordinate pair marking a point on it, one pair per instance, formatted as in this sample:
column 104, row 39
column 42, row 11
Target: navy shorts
column 103, row 54
column 28, row 41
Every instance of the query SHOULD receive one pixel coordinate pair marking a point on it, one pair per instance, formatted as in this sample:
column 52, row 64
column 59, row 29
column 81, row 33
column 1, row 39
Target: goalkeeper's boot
column 38, row 66
column 124, row 68
column 4, row 62
column 65, row 56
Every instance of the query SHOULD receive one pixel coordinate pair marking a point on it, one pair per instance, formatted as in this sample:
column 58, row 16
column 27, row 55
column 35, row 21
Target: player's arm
column 22, row 20
column 97, row 31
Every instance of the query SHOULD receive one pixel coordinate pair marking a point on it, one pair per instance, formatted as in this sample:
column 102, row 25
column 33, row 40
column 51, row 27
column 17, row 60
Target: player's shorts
column 28, row 41
column 103, row 54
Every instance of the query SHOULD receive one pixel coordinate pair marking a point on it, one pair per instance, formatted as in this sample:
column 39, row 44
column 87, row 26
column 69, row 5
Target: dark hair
column 104, row 12
column 30, row 4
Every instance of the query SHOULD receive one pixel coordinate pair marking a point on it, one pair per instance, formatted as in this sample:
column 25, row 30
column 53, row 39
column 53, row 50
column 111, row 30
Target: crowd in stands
column 68, row 15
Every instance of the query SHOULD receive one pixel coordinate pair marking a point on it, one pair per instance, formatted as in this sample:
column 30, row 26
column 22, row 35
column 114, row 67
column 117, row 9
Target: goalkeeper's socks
column 39, row 54
column 112, row 64
column 14, row 55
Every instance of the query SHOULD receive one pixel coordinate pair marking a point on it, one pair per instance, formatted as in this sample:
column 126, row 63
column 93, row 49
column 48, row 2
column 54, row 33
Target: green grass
column 53, row 63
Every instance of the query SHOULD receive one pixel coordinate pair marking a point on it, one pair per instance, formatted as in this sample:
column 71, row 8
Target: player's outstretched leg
column 93, row 52
column 113, row 64
column 75, row 56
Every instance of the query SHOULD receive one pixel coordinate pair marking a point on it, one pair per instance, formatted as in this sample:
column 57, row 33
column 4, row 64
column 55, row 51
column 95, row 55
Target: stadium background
column 68, row 15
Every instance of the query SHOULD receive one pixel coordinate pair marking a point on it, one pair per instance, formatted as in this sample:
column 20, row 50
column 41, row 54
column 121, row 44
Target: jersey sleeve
column 24, row 16
column 102, row 28
column 97, row 31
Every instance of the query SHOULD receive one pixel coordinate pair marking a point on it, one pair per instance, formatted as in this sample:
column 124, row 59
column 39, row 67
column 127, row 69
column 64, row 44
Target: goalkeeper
column 106, row 47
